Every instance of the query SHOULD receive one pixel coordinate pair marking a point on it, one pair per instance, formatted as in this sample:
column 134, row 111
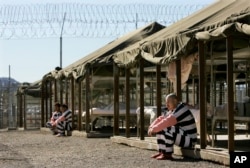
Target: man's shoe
column 164, row 157
column 48, row 125
column 54, row 133
column 60, row 135
column 156, row 155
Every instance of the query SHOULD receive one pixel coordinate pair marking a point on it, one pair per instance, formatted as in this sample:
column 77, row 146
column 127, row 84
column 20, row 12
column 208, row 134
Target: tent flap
column 223, row 31
column 167, row 50
column 126, row 59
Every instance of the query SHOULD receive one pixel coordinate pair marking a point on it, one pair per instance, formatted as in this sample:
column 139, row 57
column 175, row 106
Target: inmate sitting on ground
column 55, row 115
column 176, row 127
column 64, row 122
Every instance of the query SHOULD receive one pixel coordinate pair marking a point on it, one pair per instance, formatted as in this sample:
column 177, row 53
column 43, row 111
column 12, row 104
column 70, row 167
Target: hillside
column 4, row 84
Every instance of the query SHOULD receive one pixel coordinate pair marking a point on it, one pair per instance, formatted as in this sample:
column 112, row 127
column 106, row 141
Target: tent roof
column 77, row 69
column 175, row 41
column 127, row 56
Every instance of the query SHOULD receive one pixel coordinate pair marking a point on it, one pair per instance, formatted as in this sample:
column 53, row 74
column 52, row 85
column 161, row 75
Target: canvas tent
column 222, row 23
column 129, row 55
column 77, row 69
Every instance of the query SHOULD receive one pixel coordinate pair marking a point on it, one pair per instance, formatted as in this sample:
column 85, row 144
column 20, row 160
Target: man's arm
column 164, row 123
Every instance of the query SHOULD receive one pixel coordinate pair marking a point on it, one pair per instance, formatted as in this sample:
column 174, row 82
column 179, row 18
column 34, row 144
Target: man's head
column 64, row 107
column 57, row 106
column 171, row 101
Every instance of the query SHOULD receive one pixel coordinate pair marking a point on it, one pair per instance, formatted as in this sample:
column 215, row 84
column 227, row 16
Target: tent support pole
column 116, row 99
column 87, row 100
column 230, row 93
column 178, row 79
column 202, row 94
column 127, row 90
column 158, row 89
column 141, row 69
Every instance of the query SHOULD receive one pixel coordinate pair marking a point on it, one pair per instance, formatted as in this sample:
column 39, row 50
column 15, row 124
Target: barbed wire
column 85, row 20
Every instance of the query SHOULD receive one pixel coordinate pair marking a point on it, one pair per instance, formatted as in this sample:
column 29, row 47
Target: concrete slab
column 3, row 129
column 218, row 155
column 92, row 134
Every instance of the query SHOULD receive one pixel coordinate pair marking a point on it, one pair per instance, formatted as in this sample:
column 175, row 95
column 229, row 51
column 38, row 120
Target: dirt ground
column 36, row 149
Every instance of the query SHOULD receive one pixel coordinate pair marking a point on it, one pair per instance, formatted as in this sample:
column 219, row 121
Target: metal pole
column 61, row 39
column 10, row 117
column 136, row 20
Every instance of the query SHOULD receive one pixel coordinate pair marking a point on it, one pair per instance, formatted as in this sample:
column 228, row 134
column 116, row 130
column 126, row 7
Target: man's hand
column 53, row 123
column 150, row 131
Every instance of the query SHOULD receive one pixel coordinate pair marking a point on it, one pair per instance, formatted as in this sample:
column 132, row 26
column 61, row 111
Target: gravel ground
column 28, row 149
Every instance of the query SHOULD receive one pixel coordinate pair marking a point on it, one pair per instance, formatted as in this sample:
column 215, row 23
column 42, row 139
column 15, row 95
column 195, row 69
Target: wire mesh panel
column 32, row 112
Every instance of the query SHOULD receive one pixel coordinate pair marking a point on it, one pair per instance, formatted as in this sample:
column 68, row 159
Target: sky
column 31, row 59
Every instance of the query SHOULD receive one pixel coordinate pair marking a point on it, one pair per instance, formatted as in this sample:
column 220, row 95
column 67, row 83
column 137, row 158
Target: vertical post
column 230, row 94
column 66, row 91
column 21, row 110
column 142, row 125
column 73, row 99
column 50, row 98
column 55, row 90
column 10, row 117
column 42, row 105
column 61, row 51
column 80, row 106
column 127, row 94
column 158, row 89
column 136, row 20
column 61, row 91
column 64, row 16
column 116, row 99
column 178, row 79
column 202, row 94
column 24, row 114
column 87, row 100
column 46, row 101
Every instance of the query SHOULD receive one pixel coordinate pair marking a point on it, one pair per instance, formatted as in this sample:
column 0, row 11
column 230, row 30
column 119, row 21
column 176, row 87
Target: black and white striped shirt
column 186, row 121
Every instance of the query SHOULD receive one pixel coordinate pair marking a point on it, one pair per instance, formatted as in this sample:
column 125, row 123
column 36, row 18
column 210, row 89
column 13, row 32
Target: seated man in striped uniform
column 177, row 127
column 55, row 115
column 64, row 122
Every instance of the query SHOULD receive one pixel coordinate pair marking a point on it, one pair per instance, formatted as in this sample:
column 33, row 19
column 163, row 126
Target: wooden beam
column 127, row 95
column 79, row 123
column 55, row 90
column 61, row 90
column 202, row 94
column 50, row 98
column 158, row 90
column 67, row 91
column 20, row 103
column 230, row 94
column 178, row 79
column 87, row 100
column 46, row 102
column 116, row 99
column 73, row 100
column 142, row 124
column 42, row 105
column 24, row 114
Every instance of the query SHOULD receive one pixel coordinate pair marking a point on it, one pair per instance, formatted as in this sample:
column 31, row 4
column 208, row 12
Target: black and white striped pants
column 64, row 125
column 171, row 136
